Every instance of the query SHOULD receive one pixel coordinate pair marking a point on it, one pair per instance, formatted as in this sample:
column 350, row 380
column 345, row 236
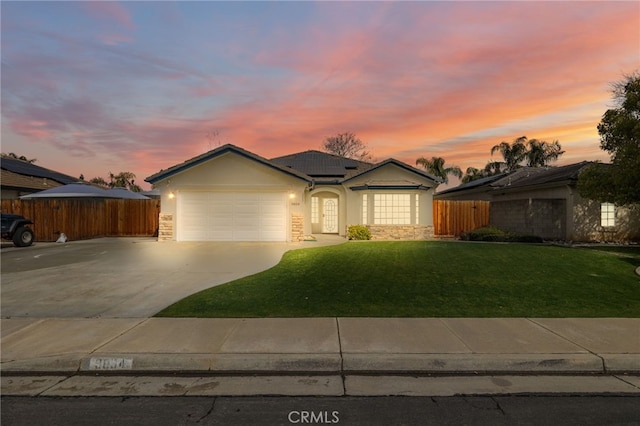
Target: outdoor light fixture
column 292, row 195
column 172, row 195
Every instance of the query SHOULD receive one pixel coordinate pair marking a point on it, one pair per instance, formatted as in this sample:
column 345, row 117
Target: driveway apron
column 123, row 278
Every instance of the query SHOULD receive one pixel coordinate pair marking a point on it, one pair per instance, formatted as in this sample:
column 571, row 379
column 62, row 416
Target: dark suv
column 14, row 227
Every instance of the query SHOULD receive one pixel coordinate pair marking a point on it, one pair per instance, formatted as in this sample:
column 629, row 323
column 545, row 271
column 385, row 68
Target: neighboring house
column 230, row 194
column 544, row 201
column 20, row 178
column 84, row 190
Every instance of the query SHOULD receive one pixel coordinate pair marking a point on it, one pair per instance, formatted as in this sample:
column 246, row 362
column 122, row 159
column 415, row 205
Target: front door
column 330, row 216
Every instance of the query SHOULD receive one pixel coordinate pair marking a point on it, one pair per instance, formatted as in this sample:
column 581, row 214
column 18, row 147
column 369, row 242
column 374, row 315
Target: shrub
column 493, row 234
column 358, row 232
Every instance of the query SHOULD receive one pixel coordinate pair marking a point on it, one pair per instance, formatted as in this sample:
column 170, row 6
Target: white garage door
column 220, row 216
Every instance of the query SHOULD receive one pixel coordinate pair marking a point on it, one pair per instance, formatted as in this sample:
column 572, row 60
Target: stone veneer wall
column 401, row 232
column 165, row 227
column 297, row 227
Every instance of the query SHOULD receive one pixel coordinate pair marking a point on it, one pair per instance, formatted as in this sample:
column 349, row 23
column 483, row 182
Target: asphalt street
column 598, row 410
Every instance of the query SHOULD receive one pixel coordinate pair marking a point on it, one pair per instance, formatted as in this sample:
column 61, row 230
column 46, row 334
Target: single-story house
column 20, row 178
column 544, row 201
column 230, row 194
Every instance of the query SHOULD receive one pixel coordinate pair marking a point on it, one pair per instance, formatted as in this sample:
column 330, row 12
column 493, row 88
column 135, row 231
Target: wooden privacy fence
column 453, row 218
column 87, row 218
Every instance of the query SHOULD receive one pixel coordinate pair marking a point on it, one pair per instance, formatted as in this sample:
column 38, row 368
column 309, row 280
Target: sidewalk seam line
column 471, row 351
column 342, row 373
column 625, row 381
column 604, row 367
column 116, row 337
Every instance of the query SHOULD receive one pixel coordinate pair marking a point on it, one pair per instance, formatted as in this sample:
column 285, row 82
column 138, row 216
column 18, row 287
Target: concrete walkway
column 318, row 355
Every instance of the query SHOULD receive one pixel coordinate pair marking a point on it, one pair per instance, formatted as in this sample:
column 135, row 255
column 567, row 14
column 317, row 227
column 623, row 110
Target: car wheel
column 23, row 237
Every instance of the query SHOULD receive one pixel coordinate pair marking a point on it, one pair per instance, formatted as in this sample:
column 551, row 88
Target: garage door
column 218, row 216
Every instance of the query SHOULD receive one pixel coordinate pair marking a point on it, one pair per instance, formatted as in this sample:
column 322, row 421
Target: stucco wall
column 390, row 174
column 587, row 225
column 232, row 172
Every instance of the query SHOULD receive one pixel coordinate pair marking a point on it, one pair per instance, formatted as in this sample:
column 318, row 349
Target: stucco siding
column 587, row 225
column 231, row 172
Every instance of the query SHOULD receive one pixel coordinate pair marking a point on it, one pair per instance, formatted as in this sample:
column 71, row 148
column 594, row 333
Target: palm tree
column 491, row 169
column 436, row 167
column 472, row 174
column 513, row 153
column 541, row 153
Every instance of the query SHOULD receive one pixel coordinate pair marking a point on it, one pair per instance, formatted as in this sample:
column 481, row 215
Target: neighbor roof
column 22, row 182
column 73, row 190
column 523, row 178
column 544, row 176
column 25, row 168
column 473, row 184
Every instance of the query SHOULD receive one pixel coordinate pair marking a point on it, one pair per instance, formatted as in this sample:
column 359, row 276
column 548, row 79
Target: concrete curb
column 324, row 364
column 474, row 363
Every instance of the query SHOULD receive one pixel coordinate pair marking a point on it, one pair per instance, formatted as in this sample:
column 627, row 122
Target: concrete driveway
column 123, row 277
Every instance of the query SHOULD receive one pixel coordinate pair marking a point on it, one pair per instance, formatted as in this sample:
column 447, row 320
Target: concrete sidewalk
column 322, row 348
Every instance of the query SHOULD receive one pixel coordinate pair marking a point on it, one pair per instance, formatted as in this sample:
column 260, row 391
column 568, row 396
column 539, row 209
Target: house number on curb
column 110, row 364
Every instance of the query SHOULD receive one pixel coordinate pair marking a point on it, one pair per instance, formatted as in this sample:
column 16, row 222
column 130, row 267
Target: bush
column 493, row 234
column 358, row 232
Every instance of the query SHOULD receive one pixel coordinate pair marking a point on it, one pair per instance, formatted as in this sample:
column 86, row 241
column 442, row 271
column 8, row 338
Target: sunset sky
column 137, row 86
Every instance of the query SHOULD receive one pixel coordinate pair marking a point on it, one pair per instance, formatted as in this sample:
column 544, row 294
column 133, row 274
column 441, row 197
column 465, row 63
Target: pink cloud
column 115, row 39
column 110, row 10
column 436, row 79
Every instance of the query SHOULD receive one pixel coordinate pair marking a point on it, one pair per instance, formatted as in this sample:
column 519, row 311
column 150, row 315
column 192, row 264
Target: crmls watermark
column 313, row 417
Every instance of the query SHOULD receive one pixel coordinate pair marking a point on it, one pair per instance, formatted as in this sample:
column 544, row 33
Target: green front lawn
column 430, row 279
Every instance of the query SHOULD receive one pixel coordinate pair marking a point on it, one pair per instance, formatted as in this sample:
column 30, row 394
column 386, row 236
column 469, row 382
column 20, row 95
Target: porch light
column 172, row 195
column 292, row 195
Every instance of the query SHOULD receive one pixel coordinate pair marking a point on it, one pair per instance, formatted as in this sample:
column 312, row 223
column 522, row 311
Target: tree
column 533, row 152
column 512, row 153
column 121, row 180
column 492, row 168
column 472, row 174
column 541, row 153
column 436, row 167
column 21, row 157
column 124, row 180
column 347, row 145
column 99, row 181
column 619, row 132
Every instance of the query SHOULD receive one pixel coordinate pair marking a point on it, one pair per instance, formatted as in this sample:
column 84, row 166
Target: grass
column 430, row 279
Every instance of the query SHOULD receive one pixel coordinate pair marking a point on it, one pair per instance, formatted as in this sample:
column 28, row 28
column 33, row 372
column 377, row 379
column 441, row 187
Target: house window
column 392, row 209
column 315, row 216
column 365, row 209
column 607, row 214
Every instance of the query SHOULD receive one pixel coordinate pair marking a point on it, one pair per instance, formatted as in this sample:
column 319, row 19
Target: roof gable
column 224, row 149
column 405, row 166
